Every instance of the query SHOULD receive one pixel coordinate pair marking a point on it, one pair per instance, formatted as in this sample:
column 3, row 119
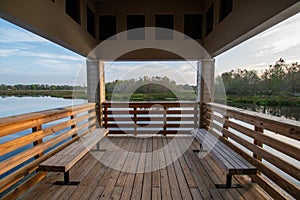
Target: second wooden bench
column 232, row 162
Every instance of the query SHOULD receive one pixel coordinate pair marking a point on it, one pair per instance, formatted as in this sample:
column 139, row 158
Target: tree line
column 279, row 79
column 145, row 85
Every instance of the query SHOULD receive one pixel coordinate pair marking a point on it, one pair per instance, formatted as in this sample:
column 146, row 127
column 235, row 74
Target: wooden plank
column 38, row 135
column 283, row 147
column 174, row 183
column 248, row 191
column 117, row 192
column 266, row 185
column 186, row 170
column 218, row 176
column 96, row 194
column 22, row 172
column 237, row 165
column 114, row 176
column 180, row 125
column 147, row 191
column 164, row 180
column 79, row 172
column 275, row 160
column 152, row 112
column 210, row 146
column 288, row 186
column 131, row 119
column 199, row 179
column 128, row 187
column 126, row 164
column 82, row 171
column 196, row 194
column 121, row 161
column 185, row 192
column 156, row 193
column 22, row 157
column 78, row 192
column 47, row 113
column 155, row 164
column 137, row 187
column 286, row 127
column 82, row 147
column 18, row 123
column 14, row 194
column 149, row 132
column 149, row 104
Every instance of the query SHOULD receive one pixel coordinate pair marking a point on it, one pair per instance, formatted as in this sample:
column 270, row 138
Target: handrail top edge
column 40, row 114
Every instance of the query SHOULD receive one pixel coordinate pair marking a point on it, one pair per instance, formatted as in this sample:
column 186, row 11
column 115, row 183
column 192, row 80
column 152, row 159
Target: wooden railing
column 150, row 117
column 27, row 140
column 272, row 144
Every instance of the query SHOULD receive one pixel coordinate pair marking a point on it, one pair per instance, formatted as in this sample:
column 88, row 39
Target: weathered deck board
column 189, row 177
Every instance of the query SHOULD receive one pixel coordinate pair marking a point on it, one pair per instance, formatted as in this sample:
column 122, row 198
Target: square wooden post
column 205, row 85
column 96, row 86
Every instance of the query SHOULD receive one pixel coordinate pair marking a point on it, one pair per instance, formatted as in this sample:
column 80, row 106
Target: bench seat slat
column 210, row 145
column 66, row 158
column 227, row 153
column 231, row 161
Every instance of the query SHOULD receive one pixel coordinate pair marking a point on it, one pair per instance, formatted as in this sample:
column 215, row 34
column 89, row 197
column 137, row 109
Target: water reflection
column 290, row 112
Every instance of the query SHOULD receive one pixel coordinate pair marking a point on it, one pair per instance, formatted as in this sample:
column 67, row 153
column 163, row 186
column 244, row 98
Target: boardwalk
column 189, row 177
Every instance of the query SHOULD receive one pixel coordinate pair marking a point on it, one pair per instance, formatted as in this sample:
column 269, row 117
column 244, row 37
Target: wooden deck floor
column 189, row 177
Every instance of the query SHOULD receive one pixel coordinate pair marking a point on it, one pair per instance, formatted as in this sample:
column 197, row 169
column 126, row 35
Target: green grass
column 165, row 96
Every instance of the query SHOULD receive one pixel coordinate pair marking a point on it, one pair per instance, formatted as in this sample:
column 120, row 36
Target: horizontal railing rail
column 272, row 144
column 27, row 140
column 157, row 117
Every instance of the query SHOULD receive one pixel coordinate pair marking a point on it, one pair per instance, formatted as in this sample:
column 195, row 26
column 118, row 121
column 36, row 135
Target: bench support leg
column 66, row 180
column 200, row 149
column 228, row 183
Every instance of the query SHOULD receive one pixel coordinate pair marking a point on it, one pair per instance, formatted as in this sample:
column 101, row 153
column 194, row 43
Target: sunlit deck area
column 189, row 177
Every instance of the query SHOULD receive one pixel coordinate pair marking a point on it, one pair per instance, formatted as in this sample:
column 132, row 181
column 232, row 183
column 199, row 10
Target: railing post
column 74, row 126
column 260, row 130
column 105, row 115
column 225, row 125
column 195, row 117
column 165, row 121
column 135, row 120
column 37, row 142
column 202, row 118
column 99, row 108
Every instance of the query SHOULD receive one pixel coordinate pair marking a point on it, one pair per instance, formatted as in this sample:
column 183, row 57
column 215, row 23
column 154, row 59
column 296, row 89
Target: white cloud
column 7, row 52
column 28, row 53
column 279, row 38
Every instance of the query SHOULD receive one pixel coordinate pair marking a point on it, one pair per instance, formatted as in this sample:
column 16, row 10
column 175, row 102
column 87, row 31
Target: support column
column 96, row 86
column 205, row 85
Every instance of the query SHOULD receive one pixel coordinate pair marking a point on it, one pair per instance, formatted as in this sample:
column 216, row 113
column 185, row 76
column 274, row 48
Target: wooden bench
column 232, row 162
column 65, row 159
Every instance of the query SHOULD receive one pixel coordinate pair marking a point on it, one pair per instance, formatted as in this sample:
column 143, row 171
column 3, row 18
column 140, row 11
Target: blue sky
column 26, row 58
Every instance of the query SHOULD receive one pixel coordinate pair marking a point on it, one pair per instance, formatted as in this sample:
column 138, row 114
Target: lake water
column 20, row 105
column 290, row 112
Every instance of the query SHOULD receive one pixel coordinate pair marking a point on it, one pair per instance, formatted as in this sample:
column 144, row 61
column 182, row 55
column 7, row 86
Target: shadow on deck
column 189, row 177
